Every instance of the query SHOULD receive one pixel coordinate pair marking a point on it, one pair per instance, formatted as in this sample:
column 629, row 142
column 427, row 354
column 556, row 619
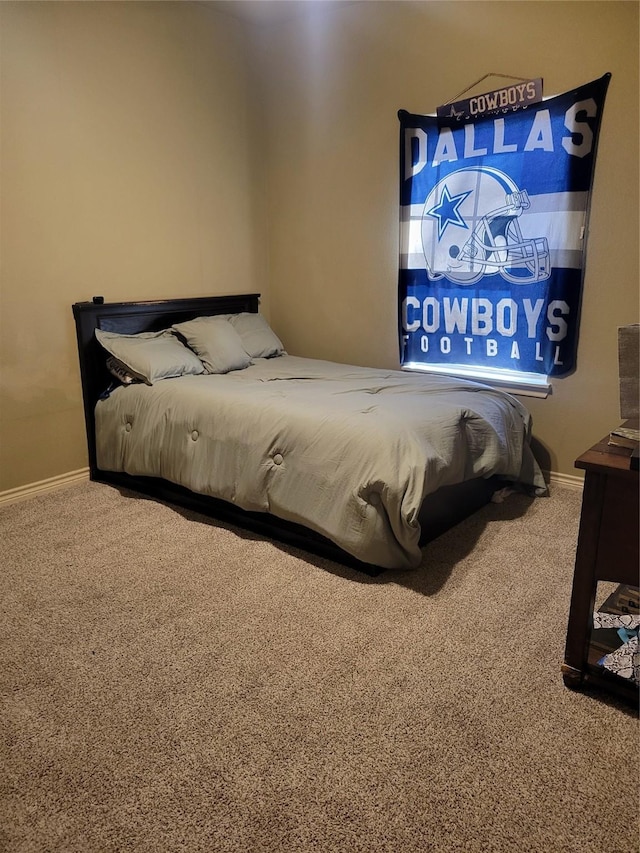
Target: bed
column 360, row 465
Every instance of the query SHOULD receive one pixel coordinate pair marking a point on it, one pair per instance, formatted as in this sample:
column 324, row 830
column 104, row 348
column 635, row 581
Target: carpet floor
column 173, row 684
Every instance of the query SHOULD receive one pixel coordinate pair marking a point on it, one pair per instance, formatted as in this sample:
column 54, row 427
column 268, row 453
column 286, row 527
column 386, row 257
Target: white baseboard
column 571, row 481
column 22, row 493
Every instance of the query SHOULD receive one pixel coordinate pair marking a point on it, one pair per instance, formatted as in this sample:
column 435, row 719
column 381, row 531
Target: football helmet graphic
column 470, row 229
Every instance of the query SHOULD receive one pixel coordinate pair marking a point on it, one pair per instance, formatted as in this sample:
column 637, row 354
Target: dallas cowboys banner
column 493, row 217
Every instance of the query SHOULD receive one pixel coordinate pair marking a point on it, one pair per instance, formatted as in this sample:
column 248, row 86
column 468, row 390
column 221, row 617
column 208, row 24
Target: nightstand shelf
column 607, row 551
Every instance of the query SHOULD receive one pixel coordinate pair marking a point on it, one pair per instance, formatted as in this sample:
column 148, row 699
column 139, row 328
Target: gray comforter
column 349, row 452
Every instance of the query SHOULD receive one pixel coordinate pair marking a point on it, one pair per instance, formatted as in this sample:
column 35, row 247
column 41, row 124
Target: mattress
column 350, row 452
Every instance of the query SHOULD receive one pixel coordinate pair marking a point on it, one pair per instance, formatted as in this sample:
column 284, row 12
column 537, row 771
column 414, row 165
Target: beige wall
column 158, row 149
column 126, row 172
column 333, row 89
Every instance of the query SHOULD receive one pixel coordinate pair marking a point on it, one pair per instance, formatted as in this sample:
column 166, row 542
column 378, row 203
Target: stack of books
column 627, row 436
column 624, row 437
column 625, row 599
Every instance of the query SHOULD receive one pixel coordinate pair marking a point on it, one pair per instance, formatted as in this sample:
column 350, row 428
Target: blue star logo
column 446, row 211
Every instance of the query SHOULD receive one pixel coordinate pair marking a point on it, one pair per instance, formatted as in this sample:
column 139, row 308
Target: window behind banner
column 493, row 224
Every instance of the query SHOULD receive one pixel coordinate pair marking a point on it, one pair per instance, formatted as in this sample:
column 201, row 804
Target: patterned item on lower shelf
column 624, row 661
column 630, row 621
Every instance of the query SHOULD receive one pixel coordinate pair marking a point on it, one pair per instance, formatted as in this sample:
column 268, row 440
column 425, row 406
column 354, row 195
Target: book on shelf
column 625, row 599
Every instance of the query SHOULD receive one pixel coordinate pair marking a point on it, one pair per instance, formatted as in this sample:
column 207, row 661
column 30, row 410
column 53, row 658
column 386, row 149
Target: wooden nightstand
column 607, row 551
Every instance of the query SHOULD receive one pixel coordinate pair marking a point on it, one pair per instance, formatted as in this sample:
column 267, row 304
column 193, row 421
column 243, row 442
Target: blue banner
column 493, row 226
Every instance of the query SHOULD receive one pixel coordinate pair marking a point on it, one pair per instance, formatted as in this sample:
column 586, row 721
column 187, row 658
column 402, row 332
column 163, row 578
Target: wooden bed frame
column 440, row 511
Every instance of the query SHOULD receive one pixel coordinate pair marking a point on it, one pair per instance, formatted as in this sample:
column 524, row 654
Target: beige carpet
column 169, row 684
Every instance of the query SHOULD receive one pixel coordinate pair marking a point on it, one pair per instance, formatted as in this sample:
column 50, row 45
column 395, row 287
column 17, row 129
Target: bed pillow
column 258, row 338
column 151, row 355
column 122, row 373
column 216, row 343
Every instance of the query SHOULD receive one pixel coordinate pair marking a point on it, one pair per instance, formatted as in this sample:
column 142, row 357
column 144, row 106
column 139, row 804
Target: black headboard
column 130, row 318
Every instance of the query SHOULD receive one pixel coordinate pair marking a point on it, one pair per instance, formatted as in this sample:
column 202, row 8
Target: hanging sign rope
column 510, row 98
